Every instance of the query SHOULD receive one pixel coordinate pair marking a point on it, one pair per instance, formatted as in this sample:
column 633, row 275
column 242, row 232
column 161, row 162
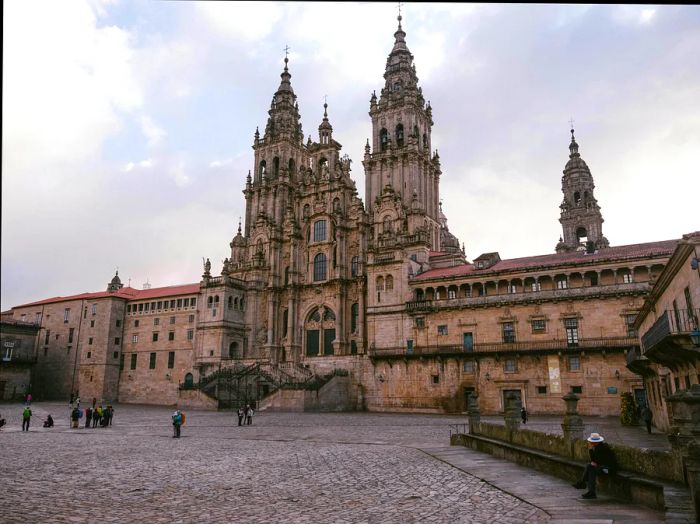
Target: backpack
column 182, row 417
column 27, row 413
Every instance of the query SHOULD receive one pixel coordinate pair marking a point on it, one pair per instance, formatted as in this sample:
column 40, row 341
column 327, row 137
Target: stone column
column 474, row 412
column 572, row 425
column 512, row 412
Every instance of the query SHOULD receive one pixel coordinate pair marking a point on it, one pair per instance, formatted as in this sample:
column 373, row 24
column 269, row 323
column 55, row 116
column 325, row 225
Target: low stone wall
column 652, row 463
column 338, row 394
column 195, row 399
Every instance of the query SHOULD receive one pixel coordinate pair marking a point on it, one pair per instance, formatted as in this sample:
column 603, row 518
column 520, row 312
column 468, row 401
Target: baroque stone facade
column 319, row 281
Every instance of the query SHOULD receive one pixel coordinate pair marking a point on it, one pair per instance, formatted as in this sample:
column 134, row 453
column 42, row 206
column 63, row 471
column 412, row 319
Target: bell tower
column 581, row 219
column 399, row 165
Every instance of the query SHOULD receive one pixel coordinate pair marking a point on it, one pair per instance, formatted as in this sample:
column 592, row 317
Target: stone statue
column 207, row 266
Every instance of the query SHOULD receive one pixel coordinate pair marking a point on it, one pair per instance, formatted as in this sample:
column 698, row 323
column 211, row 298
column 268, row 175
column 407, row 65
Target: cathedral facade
column 322, row 286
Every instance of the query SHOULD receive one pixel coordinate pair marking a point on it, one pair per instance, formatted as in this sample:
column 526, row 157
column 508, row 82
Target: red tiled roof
column 128, row 293
column 664, row 247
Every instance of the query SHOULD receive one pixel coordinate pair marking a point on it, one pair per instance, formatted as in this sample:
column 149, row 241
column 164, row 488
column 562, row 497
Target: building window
column 510, row 365
column 89, row 354
column 160, row 305
column 133, row 360
column 134, row 339
column 389, row 283
column 508, row 332
column 90, row 341
column 121, row 362
column 94, row 309
column 71, row 332
column 190, row 319
column 319, row 267
column 66, row 315
column 629, row 321
column 115, row 354
column 155, row 337
column 128, row 308
column 420, row 322
column 156, row 321
column 442, row 329
column 179, row 303
column 117, row 340
column 172, row 320
column 571, row 327
column 193, row 302
column 436, row 379
column 136, row 323
column 171, row 335
column 152, row 363
column 140, row 308
column 92, row 323
column 541, row 390
column 171, row 359
column 145, row 307
column 46, row 338
column 468, row 366
column 119, row 323
column 38, row 318
column 539, row 326
column 536, row 286
column 562, row 283
column 190, row 334
column 319, row 231
column 213, row 312
column 577, row 389
column 627, row 278
column 354, row 266
column 574, row 363
column 153, row 306
column 354, row 313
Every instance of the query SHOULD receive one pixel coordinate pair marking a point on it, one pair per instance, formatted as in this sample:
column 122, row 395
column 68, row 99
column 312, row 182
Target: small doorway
column 468, row 342
column 515, row 392
column 468, row 393
column 640, row 399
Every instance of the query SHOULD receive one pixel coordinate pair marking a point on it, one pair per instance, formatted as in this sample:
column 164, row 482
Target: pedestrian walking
column 240, row 415
column 177, row 422
column 88, row 416
column 29, row 399
column 523, row 414
column 26, row 418
column 647, row 417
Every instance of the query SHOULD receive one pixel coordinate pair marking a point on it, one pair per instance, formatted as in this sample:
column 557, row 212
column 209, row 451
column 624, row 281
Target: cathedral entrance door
column 312, row 342
column 328, row 338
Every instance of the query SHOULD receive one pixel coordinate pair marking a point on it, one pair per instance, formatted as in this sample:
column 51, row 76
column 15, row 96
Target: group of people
column 245, row 415
column 94, row 417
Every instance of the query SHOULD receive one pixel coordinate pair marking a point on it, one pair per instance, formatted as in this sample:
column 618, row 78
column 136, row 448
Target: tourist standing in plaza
column 177, row 422
column 29, row 399
column 88, row 416
column 96, row 416
column 240, row 416
column 603, row 460
column 26, row 418
column 75, row 417
column 110, row 414
column 249, row 414
column 523, row 414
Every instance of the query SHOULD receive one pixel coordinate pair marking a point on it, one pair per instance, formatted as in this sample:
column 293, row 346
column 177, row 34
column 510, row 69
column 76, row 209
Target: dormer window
column 480, row 265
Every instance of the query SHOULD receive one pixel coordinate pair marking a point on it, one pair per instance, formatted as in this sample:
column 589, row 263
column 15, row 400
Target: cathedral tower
column 399, row 167
column 581, row 219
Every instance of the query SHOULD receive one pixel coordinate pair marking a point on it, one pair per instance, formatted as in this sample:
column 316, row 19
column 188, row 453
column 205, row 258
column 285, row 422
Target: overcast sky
column 128, row 125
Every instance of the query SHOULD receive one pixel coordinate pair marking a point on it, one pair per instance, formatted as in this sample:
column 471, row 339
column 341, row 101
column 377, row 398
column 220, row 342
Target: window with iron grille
column 420, row 322
column 629, row 321
column 571, row 327
column 319, row 231
column 442, row 330
column 539, row 325
column 574, row 364
column 541, row 390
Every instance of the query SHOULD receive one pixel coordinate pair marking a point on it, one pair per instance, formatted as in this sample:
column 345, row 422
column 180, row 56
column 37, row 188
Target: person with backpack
column 26, row 418
column 177, row 422
column 75, row 417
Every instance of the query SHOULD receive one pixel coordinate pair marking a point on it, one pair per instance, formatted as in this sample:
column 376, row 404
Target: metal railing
column 671, row 322
column 18, row 358
column 505, row 347
column 459, row 429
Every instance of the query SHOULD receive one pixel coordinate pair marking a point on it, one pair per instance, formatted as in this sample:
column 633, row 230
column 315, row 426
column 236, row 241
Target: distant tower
column 116, row 284
column 581, row 220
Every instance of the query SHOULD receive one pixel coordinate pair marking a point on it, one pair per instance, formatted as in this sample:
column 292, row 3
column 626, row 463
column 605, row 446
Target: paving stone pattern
column 285, row 468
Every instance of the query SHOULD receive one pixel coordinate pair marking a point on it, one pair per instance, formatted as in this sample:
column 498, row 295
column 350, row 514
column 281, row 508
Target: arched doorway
column 189, row 381
column 320, row 332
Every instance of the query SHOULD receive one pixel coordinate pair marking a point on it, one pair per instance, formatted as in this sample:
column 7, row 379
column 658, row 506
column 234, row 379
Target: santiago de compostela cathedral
column 332, row 302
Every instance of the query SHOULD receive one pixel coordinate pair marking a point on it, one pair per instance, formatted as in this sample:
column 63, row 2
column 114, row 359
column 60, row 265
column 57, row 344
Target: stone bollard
column 474, row 412
column 512, row 412
column 572, row 425
column 685, row 438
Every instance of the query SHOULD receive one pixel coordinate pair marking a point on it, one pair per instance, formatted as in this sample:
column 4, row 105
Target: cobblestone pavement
column 338, row 468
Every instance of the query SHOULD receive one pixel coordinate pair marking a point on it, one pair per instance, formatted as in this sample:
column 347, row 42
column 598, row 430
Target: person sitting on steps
column 602, row 461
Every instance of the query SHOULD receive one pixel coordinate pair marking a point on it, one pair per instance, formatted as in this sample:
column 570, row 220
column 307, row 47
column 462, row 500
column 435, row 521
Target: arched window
column 380, row 283
column 384, row 139
column 291, row 167
column 451, row 293
column 389, row 282
column 235, row 303
column 354, row 266
column 577, row 197
column 233, row 350
column 320, row 267
column 210, row 302
column 419, row 294
column 216, row 300
column 276, row 166
column 320, row 334
column 230, row 302
column 354, row 313
column 399, row 135
column 328, row 314
column 262, row 171
column 397, row 86
column 319, row 231
column 322, row 165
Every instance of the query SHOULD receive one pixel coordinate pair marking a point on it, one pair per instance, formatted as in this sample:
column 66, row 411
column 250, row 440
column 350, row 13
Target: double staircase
column 240, row 384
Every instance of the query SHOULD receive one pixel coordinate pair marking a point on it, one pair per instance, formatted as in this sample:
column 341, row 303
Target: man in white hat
column 602, row 461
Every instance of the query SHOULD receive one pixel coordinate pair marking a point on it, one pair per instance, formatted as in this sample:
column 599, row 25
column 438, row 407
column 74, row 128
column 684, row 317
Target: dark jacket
column 604, row 456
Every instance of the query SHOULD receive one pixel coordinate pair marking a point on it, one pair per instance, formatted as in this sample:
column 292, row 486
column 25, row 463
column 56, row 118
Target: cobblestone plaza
column 284, row 468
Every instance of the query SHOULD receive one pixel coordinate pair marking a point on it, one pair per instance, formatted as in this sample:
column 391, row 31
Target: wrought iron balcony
column 506, row 347
column 677, row 322
column 419, row 305
column 17, row 358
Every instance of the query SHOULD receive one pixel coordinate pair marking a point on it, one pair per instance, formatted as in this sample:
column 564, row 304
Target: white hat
column 595, row 437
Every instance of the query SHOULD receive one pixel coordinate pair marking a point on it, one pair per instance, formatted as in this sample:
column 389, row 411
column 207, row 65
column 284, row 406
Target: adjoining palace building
column 332, row 302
